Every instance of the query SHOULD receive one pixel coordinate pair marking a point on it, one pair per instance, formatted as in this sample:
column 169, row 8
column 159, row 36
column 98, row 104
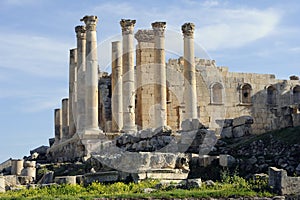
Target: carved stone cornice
column 159, row 28
column 127, row 26
column 90, row 22
column 80, row 32
column 188, row 29
column 144, row 36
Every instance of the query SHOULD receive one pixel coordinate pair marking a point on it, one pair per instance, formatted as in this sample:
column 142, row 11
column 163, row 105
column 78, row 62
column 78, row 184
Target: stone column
column 65, row 118
column 190, row 94
column 72, row 91
column 16, row 166
column 160, row 66
column 117, row 99
column 91, row 75
column 81, row 68
column 128, row 76
column 58, row 125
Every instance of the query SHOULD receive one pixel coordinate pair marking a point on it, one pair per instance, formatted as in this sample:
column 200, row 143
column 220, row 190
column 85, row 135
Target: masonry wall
column 145, row 85
column 270, row 110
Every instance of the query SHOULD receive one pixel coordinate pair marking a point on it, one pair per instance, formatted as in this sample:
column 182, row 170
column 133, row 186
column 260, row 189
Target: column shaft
column 81, row 69
column 91, row 75
column 65, row 118
column 160, row 68
column 57, row 125
column 128, row 76
column 117, row 100
column 190, row 93
column 72, row 91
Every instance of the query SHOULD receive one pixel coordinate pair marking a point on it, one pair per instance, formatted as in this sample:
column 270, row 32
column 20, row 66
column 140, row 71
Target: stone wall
column 105, row 95
column 283, row 184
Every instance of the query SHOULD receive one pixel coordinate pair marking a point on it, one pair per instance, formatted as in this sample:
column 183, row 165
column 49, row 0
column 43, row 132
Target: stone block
column 187, row 125
column 194, row 183
column 11, row 180
column 283, row 184
column 2, row 184
column 47, row 178
column 238, row 131
column 226, row 132
column 242, row 120
column 226, row 160
column 65, row 180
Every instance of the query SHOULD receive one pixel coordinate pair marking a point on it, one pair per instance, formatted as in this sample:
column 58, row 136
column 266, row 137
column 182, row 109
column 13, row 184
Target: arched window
column 216, row 93
column 245, row 93
column 271, row 95
column 296, row 94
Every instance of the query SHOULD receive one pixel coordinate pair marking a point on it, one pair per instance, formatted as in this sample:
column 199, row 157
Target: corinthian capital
column 90, row 22
column 127, row 26
column 80, row 32
column 188, row 29
column 159, row 28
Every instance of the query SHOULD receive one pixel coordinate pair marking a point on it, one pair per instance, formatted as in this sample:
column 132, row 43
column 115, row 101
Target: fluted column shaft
column 117, row 97
column 190, row 94
column 91, row 75
column 57, row 125
column 81, row 69
column 128, row 75
column 72, row 91
column 160, row 68
column 65, row 118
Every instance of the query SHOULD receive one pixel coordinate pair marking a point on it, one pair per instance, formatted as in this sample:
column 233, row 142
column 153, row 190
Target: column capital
column 127, row 26
column 144, row 36
column 188, row 29
column 90, row 22
column 80, row 32
column 159, row 28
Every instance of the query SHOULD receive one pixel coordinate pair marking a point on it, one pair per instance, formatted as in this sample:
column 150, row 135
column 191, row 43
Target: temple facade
column 153, row 92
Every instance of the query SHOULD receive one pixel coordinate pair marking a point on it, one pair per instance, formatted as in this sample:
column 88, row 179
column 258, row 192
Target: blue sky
column 260, row 36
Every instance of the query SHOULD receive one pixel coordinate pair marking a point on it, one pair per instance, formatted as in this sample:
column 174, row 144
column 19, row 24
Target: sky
column 257, row 36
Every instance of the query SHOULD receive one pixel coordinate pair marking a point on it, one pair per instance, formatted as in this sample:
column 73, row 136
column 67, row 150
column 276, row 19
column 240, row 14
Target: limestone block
column 47, row 178
column 226, row 160
column 11, row 180
column 238, row 131
column 242, row 120
column 194, row 183
column 65, row 180
column 226, row 132
column 2, row 184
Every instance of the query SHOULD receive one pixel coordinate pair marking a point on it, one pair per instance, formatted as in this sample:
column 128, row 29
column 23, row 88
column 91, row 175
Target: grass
column 230, row 186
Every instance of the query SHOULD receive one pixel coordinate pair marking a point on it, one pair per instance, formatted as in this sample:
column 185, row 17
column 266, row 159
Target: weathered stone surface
column 16, row 166
column 2, row 184
column 47, row 178
column 283, row 184
column 194, row 183
column 65, row 180
column 226, row 160
column 226, row 132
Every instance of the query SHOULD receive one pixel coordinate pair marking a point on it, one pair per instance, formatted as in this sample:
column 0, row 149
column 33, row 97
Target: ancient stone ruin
column 150, row 118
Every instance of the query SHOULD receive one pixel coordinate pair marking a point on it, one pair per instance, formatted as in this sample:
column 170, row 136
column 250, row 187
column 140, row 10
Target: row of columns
column 123, row 81
column 79, row 113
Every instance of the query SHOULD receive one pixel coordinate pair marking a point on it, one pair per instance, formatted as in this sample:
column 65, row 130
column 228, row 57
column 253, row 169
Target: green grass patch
column 230, row 186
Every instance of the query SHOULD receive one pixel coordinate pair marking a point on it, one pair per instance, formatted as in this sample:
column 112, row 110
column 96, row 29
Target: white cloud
column 36, row 55
column 237, row 28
